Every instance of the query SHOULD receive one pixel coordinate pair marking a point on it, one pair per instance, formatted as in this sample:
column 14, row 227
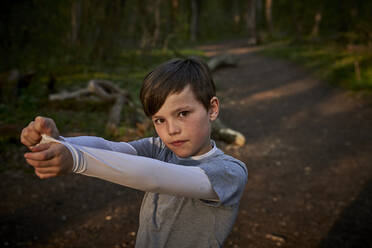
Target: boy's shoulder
column 219, row 156
column 227, row 162
column 228, row 177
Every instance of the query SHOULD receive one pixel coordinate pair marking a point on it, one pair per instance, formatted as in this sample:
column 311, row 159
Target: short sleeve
column 147, row 147
column 228, row 179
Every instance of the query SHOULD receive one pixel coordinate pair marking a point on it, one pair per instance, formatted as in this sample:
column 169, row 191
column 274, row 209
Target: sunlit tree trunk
column 75, row 21
column 173, row 15
column 195, row 15
column 251, row 21
column 268, row 15
column 317, row 21
column 236, row 13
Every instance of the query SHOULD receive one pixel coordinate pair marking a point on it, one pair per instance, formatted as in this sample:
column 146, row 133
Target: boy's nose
column 173, row 128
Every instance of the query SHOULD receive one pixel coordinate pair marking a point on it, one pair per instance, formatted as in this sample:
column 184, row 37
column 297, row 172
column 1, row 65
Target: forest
column 45, row 42
column 295, row 84
column 41, row 35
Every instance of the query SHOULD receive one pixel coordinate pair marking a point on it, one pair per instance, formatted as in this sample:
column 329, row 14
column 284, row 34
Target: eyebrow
column 180, row 109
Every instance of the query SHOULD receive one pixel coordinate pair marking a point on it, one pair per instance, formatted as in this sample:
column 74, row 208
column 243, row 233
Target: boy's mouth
column 178, row 143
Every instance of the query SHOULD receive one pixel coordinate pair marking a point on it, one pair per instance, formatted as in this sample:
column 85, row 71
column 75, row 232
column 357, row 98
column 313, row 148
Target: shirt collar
column 203, row 156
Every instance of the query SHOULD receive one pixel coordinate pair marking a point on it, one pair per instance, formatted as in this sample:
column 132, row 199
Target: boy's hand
column 50, row 160
column 31, row 135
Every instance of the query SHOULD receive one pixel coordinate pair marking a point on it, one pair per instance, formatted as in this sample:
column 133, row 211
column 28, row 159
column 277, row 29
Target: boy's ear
column 214, row 108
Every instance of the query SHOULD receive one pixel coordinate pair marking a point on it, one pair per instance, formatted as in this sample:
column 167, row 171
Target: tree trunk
column 236, row 12
column 75, row 21
column 268, row 15
column 157, row 20
column 195, row 15
column 143, row 15
column 251, row 22
column 173, row 15
column 317, row 21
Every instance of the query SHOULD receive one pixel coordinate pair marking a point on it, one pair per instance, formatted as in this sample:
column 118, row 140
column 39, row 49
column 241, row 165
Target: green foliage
column 333, row 63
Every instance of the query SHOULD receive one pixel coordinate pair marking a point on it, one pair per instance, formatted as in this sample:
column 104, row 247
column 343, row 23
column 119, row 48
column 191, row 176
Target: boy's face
column 184, row 125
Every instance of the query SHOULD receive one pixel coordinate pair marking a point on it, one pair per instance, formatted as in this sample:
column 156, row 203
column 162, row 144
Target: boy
column 192, row 188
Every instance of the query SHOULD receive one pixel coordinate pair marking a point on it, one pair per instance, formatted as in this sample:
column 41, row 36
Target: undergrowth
column 338, row 65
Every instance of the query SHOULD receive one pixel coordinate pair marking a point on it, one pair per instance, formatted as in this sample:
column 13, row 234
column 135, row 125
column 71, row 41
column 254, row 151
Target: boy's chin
column 182, row 154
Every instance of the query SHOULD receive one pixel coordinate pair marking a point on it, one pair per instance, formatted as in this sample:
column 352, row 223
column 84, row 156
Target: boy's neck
column 208, row 153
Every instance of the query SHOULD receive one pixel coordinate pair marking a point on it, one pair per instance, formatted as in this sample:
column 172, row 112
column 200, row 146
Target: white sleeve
column 140, row 173
column 101, row 143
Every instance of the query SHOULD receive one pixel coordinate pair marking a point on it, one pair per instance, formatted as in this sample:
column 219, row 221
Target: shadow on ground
column 354, row 226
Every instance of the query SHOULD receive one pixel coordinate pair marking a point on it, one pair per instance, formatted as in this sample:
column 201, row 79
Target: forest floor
column 308, row 151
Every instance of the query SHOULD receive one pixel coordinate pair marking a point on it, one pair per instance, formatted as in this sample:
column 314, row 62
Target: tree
column 75, row 21
column 268, row 15
column 195, row 16
column 251, row 21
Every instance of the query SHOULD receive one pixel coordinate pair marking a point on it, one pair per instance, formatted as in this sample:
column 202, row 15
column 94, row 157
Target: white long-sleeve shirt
column 118, row 162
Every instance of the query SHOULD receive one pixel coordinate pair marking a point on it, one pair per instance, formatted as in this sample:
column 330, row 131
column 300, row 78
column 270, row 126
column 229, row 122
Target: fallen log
column 228, row 135
column 106, row 91
column 115, row 113
column 65, row 95
column 223, row 60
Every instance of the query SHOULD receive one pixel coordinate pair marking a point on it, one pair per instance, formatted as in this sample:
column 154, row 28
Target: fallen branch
column 222, row 60
column 115, row 113
column 228, row 135
column 64, row 95
column 105, row 91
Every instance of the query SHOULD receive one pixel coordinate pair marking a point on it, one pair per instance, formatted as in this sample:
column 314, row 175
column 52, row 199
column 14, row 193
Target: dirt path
column 308, row 151
column 309, row 155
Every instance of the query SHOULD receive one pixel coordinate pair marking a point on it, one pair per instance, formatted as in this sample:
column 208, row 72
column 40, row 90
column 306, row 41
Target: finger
column 44, row 176
column 43, row 155
column 24, row 140
column 29, row 136
column 32, row 132
column 40, row 164
column 40, row 147
column 28, row 143
column 44, row 125
column 47, row 170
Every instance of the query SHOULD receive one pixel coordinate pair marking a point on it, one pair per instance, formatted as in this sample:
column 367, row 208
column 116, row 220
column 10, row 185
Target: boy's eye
column 158, row 121
column 183, row 114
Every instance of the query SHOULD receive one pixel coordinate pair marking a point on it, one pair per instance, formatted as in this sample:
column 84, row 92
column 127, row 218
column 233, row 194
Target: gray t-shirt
column 176, row 221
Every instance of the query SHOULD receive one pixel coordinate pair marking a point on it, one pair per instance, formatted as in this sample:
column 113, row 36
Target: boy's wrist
column 78, row 164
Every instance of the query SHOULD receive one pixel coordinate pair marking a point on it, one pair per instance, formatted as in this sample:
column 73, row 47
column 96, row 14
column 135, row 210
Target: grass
column 331, row 62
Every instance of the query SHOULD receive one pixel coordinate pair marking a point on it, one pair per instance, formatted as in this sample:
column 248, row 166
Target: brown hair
column 172, row 77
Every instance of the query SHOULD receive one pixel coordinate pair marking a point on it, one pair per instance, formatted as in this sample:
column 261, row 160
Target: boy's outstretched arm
column 31, row 136
column 141, row 173
column 101, row 143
